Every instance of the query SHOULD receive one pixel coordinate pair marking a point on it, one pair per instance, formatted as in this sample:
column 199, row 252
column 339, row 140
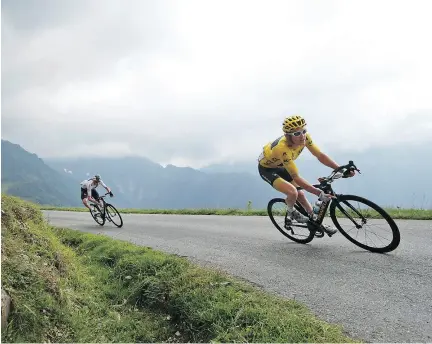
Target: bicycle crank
column 315, row 228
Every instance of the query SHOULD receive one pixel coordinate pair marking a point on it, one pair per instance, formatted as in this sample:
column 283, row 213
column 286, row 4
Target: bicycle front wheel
column 277, row 210
column 355, row 213
column 113, row 215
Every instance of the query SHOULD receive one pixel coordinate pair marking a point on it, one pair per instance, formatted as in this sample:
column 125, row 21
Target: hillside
column 389, row 177
column 25, row 175
column 136, row 182
column 140, row 183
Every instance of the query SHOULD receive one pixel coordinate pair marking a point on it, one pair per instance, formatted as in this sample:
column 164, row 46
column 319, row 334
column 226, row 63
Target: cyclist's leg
column 84, row 197
column 301, row 197
column 283, row 173
column 303, row 200
column 287, row 188
column 95, row 195
column 280, row 180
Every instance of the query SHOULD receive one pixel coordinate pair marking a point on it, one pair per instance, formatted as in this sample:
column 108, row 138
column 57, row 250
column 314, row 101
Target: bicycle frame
column 325, row 185
column 102, row 198
column 104, row 211
column 325, row 204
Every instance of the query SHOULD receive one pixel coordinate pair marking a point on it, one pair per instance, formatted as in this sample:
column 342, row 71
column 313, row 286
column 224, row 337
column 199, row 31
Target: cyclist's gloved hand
column 111, row 194
column 325, row 197
column 348, row 173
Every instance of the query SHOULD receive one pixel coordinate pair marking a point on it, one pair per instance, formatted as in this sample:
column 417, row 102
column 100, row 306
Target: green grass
column 70, row 286
column 59, row 296
column 409, row 214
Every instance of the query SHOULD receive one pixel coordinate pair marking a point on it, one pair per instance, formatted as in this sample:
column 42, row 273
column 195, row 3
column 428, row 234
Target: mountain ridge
column 151, row 185
column 139, row 182
column 26, row 175
column 136, row 182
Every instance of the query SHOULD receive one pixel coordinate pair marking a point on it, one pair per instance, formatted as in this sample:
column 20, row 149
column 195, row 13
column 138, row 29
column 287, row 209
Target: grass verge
column 58, row 296
column 69, row 286
column 395, row 213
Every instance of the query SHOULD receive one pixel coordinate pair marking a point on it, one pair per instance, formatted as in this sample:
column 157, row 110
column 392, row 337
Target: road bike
column 314, row 228
column 108, row 212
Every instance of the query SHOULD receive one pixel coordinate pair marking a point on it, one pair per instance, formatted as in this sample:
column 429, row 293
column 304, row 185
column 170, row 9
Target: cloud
column 196, row 82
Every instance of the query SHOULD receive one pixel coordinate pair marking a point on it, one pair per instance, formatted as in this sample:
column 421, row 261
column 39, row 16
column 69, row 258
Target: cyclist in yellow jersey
column 276, row 166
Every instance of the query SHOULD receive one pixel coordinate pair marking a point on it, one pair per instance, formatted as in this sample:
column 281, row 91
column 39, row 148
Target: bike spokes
column 351, row 215
column 365, row 224
column 114, row 215
column 97, row 215
column 277, row 210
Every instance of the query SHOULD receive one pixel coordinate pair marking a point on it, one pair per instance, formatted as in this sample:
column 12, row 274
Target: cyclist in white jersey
column 88, row 190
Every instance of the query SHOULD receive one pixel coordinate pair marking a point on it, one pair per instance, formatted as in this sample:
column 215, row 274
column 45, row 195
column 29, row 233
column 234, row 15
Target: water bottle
column 317, row 206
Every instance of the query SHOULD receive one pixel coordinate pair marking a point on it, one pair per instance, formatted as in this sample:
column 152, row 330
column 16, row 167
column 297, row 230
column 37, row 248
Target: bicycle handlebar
column 334, row 175
column 103, row 196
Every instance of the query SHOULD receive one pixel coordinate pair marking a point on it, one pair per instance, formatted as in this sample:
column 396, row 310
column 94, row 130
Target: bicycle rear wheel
column 112, row 213
column 97, row 215
column 304, row 235
column 358, row 217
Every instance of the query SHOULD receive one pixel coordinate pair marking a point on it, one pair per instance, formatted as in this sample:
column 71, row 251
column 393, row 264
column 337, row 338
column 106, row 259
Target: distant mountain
column 238, row 167
column 140, row 183
column 390, row 176
column 25, row 175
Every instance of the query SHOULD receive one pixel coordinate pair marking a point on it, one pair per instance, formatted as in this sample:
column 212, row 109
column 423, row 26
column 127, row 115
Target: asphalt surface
column 375, row 297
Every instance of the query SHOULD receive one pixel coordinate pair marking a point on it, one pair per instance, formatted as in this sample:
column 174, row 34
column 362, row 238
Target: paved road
column 378, row 298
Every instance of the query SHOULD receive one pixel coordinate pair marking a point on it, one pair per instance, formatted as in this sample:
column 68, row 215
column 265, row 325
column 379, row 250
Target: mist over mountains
column 390, row 177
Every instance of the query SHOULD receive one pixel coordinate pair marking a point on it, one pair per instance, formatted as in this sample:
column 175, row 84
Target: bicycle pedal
column 319, row 233
column 317, row 229
column 329, row 234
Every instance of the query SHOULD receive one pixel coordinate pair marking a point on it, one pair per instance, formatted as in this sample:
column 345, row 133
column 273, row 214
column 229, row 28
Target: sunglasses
column 298, row 133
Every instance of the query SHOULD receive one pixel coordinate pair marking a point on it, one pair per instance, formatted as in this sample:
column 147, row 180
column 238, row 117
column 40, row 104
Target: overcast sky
column 211, row 81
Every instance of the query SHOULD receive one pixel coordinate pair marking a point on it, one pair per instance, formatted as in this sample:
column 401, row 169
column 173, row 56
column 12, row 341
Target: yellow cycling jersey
column 279, row 154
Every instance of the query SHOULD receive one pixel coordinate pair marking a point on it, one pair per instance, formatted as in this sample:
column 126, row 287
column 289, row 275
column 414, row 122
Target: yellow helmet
column 293, row 122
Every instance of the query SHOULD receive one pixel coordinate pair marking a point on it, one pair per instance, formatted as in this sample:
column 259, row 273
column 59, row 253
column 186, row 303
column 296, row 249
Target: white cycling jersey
column 88, row 184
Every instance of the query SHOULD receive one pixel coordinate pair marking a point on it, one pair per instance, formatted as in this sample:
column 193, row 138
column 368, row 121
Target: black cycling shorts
column 271, row 174
column 95, row 194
